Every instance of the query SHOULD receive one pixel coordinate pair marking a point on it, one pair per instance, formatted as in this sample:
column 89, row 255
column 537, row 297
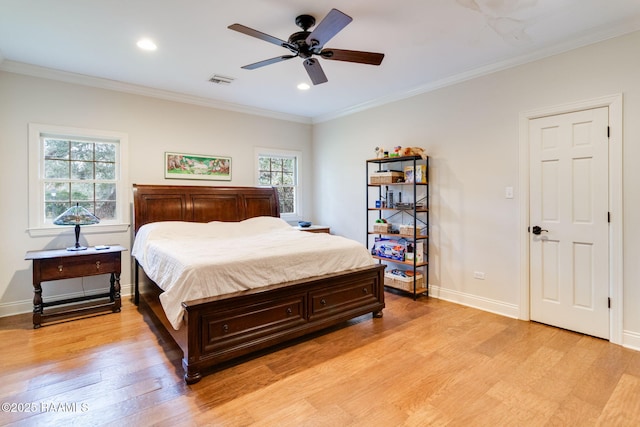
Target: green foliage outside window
column 280, row 172
column 80, row 172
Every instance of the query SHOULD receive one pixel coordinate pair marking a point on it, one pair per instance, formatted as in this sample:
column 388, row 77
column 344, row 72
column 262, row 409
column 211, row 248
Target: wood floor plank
column 623, row 407
column 426, row 362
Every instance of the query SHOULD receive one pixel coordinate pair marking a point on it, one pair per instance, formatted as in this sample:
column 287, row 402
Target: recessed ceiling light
column 146, row 44
column 304, row 86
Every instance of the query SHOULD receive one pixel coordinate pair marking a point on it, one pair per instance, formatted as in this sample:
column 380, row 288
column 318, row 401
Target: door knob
column 537, row 230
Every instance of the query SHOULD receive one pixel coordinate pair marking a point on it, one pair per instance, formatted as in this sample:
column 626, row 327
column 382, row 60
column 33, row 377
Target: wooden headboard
column 153, row 203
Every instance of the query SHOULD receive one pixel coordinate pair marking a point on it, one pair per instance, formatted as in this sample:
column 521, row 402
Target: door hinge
column 608, row 302
column 608, row 216
column 608, row 132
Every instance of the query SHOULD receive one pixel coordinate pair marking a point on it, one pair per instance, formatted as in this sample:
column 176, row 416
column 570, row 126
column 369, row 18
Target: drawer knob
column 98, row 265
column 60, row 268
column 365, row 291
column 289, row 311
column 323, row 301
column 225, row 328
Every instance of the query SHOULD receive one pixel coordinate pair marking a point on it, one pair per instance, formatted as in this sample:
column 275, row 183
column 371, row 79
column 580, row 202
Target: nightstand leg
column 115, row 292
column 37, row 305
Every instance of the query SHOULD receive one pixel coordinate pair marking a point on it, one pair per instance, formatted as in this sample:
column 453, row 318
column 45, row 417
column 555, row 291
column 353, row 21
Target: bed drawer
column 236, row 326
column 342, row 298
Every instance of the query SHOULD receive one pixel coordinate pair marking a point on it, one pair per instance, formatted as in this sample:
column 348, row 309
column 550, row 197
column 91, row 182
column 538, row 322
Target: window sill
column 86, row 229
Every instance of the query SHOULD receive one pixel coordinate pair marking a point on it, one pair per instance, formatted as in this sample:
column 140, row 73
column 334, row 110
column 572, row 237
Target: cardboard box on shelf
column 391, row 249
column 419, row 175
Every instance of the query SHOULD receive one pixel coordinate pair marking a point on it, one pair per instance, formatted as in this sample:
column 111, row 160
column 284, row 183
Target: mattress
column 190, row 260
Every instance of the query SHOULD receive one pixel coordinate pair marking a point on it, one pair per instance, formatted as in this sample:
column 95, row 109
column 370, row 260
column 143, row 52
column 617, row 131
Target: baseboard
column 486, row 304
column 631, row 340
column 26, row 306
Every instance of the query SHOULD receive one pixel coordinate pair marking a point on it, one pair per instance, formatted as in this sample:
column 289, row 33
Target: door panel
column 569, row 200
column 550, row 269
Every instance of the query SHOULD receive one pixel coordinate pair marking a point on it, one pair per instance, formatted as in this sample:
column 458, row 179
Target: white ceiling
column 427, row 44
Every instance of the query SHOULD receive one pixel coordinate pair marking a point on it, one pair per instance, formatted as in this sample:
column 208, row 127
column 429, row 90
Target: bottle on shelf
column 409, row 254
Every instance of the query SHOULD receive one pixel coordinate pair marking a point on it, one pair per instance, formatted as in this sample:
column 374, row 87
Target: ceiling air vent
column 221, row 80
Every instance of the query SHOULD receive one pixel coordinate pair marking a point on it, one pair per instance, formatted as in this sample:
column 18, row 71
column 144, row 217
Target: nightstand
column 315, row 229
column 60, row 264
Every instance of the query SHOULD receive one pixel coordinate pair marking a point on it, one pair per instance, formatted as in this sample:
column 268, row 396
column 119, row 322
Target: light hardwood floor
column 427, row 362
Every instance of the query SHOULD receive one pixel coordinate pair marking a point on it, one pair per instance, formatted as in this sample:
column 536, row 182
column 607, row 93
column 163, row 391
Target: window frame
column 38, row 225
column 277, row 152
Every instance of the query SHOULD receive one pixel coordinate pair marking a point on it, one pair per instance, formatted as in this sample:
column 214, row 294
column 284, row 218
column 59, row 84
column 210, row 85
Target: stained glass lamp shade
column 76, row 215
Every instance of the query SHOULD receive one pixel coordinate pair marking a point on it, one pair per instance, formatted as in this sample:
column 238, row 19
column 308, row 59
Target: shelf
column 410, row 210
column 418, row 290
column 418, row 264
column 398, row 183
column 406, row 236
column 394, row 159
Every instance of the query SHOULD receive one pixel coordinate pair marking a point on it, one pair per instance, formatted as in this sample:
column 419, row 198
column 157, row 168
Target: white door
column 569, row 265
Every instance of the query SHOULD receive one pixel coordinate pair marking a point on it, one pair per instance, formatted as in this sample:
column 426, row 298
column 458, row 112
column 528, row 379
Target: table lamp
column 76, row 215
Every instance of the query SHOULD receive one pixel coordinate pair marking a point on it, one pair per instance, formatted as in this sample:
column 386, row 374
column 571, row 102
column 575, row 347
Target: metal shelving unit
column 411, row 213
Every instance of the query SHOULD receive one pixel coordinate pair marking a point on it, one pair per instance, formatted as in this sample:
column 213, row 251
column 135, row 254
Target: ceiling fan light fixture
column 303, row 86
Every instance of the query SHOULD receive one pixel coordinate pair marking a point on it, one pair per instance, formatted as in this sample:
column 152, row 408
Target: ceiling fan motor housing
column 299, row 40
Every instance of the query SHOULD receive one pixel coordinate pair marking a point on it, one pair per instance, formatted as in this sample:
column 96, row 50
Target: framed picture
column 197, row 166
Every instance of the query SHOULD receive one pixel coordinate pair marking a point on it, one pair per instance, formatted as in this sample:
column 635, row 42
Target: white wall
column 153, row 126
column 470, row 130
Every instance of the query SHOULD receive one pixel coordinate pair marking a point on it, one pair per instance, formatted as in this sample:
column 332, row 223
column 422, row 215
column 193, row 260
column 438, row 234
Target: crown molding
column 81, row 79
column 627, row 27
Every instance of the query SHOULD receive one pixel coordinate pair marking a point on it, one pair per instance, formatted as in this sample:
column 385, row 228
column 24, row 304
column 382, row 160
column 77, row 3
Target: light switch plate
column 508, row 192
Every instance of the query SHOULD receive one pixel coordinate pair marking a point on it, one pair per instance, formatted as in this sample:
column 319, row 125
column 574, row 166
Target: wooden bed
column 218, row 329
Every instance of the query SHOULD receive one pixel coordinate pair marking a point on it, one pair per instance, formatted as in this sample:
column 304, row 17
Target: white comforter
column 195, row 260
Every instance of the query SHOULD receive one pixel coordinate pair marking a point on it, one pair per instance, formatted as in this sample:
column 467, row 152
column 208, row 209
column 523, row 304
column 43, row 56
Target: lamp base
column 77, row 247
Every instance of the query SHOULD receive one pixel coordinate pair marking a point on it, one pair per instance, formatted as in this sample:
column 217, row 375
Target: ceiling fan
column 305, row 44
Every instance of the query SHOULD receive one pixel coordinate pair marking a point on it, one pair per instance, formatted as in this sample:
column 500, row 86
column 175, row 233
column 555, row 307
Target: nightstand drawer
column 70, row 267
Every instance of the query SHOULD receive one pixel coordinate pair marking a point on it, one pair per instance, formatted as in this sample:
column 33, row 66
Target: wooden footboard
column 218, row 329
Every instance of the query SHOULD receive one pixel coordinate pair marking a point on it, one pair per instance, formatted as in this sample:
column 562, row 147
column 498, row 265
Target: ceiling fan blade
column 316, row 74
column 370, row 58
column 327, row 28
column 257, row 34
column 268, row 62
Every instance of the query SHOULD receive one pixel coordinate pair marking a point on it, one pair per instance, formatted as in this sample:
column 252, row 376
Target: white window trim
column 37, row 227
column 275, row 152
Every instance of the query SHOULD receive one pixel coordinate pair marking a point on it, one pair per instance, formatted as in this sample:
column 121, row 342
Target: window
column 279, row 168
column 71, row 166
column 79, row 172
